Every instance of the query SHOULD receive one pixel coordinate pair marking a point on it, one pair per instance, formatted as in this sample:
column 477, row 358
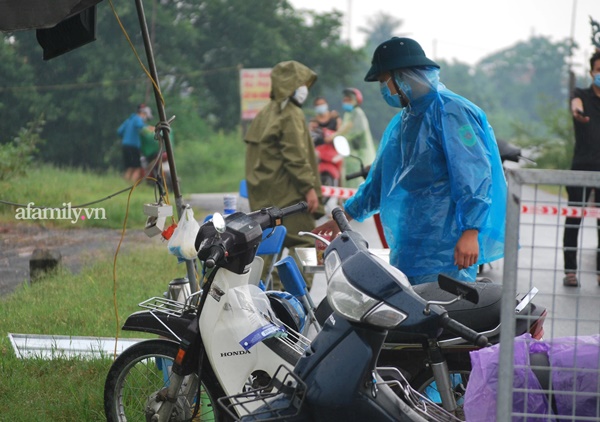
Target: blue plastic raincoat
column 437, row 173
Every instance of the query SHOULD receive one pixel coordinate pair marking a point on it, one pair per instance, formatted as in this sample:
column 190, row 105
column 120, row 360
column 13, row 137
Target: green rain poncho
column 355, row 127
column 281, row 165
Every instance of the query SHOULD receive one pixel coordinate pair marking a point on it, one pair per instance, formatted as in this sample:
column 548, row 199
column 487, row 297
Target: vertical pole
column 509, row 292
column 191, row 270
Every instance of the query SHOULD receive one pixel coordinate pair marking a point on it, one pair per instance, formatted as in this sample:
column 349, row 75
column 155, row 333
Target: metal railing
column 537, row 209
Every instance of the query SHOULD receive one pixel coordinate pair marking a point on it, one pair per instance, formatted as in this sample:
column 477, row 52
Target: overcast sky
column 468, row 30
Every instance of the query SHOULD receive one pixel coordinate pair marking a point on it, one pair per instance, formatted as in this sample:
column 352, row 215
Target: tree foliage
column 17, row 155
column 199, row 48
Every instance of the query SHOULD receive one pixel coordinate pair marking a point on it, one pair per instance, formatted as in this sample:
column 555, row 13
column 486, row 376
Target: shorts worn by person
column 437, row 179
column 281, row 165
column 585, row 108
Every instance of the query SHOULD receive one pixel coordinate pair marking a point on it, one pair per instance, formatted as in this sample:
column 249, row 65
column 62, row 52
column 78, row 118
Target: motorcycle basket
column 279, row 400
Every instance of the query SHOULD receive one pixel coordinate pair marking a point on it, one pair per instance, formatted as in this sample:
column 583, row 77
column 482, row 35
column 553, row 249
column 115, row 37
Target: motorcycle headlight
column 353, row 304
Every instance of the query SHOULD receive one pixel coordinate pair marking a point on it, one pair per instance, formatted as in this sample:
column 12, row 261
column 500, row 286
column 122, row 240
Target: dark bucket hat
column 397, row 53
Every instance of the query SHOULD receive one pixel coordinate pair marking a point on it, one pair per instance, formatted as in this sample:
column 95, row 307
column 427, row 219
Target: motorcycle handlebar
column 216, row 253
column 340, row 218
column 465, row 332
column 294, row 209
column 271, row 217
column 360, row 173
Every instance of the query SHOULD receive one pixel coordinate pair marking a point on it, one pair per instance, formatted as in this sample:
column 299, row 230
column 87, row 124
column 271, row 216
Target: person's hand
column 312, row 200
column 329, row 226
column 466, row 251
column 579, row 115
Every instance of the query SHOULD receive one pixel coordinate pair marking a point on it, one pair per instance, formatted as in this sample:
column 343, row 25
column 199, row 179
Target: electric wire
column 137, row 56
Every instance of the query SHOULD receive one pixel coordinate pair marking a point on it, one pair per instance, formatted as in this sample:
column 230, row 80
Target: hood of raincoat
column 288, row 76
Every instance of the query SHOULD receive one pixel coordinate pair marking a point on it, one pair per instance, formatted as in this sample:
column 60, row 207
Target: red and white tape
column 337, row 192
column 345, row 193
column 562, row 211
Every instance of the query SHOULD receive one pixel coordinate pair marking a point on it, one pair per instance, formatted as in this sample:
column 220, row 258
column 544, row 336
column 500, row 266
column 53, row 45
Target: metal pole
column 191, row 270
column 509, row 292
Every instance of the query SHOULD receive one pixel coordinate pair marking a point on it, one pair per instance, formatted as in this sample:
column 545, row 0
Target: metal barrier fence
column 537, row 210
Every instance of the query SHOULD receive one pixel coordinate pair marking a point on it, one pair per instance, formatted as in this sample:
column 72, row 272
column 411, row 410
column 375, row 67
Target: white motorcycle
column 222, row 340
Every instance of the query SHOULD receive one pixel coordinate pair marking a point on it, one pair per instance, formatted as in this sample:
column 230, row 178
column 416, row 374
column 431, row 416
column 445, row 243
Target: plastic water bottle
column 229, row 204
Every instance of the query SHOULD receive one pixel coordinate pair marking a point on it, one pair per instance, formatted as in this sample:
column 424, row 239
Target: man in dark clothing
column 585, row 107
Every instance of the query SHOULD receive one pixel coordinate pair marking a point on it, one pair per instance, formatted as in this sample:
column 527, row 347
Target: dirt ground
column 77, row 247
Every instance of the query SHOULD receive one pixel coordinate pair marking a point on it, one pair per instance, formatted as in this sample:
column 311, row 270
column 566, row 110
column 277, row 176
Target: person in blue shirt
column 130, row 131
column 437, row 179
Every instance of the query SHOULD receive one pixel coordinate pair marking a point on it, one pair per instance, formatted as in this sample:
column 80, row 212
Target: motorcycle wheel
column 459, row 370
column 142, row 370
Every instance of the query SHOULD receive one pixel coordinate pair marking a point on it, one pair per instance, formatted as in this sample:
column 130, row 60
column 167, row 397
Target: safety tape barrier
column 337, row 192
column 562, row 211
column 345, row 193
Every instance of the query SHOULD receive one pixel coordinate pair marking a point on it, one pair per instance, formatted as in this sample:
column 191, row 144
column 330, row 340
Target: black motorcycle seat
column 483, row 316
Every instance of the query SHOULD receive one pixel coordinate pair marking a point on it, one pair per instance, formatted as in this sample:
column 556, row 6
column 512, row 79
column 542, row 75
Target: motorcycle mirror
column 341, row 145
column 218, row 222
column 458, row 288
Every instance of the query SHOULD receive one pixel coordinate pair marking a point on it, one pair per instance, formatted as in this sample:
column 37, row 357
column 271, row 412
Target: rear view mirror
column 458, row 288
column 341, row 145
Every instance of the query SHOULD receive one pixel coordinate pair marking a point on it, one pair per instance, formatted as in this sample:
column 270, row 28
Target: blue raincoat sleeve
column 367, row 199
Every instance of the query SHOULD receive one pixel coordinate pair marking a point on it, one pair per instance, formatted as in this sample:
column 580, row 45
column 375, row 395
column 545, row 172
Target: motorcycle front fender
column 169, row 326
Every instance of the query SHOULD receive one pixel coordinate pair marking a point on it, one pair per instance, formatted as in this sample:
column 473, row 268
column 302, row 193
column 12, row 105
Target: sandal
column 570, row 280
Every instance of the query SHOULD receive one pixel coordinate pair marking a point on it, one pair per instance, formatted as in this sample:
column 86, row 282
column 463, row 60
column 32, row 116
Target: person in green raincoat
column 355, row 127
column 281, row 165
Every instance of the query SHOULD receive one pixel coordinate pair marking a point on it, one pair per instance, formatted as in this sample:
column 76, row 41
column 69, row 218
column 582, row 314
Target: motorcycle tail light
column 537, row 328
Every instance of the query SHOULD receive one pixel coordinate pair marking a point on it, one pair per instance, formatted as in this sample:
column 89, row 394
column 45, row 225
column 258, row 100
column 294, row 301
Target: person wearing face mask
column 325, row 120
column 355, row 127
column 585, row 108
column 281, row 165
column 437, row 179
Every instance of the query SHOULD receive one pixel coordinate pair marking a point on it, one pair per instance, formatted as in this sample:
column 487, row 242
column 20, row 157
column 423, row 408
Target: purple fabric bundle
column 574, row 379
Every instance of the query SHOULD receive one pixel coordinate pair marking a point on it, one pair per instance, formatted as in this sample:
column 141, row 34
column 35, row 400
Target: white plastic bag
column 182, row 243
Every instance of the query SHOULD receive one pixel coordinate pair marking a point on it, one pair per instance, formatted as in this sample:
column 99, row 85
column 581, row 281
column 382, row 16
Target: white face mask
column 301, row 94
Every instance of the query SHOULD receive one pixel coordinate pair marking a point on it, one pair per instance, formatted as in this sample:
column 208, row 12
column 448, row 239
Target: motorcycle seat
column 483, row 316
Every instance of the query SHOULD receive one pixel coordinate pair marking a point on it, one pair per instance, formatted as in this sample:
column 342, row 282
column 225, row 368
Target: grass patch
column 211, row 165
column 49, row 186
column 79, row 305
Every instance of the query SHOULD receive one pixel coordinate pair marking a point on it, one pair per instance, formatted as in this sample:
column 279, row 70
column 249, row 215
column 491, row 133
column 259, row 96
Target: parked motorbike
column 337, row 378
column 221, row 340
column 416, row 356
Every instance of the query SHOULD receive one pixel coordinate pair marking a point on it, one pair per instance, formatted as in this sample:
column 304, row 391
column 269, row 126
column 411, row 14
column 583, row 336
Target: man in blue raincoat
column 437, row 180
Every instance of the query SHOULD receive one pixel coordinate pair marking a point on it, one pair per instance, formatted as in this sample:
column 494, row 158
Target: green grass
column 80, row 305
column 45, row 185
column 215, row 164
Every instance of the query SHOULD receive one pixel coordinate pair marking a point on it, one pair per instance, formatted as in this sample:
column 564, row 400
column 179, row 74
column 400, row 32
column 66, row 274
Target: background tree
column 199, row 47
